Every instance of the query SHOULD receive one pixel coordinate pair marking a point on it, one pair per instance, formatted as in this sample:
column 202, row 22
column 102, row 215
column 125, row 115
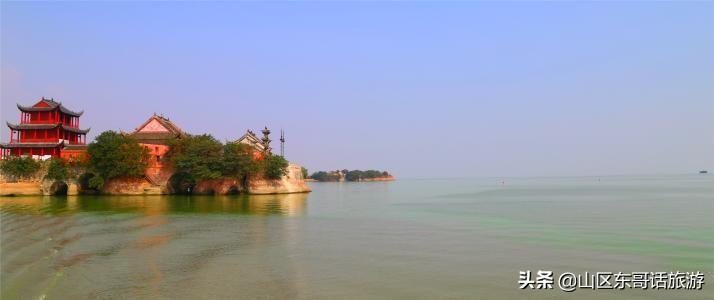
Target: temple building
column 47, row 129
column 260, row 145
column 250, row 139
column 156, row 135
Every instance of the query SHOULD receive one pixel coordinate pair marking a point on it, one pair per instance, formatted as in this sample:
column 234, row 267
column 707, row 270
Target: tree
column 354, row 175
column 325, row 176
column 303, row 170
column 114, row 155
column 238, row 160
column 20, row 167
column 199, row 156
column 57, row 169
column 276, row 166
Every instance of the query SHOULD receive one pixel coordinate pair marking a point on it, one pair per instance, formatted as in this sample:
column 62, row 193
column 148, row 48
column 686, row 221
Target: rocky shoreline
column 292, row 182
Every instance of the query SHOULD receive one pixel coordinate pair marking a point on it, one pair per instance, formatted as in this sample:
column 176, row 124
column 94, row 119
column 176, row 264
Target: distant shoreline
column 377, row 179
column 350, row 175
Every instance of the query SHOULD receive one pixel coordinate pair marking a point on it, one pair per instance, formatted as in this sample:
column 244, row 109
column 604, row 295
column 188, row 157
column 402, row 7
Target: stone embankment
column 20, row 188
column 292, row 182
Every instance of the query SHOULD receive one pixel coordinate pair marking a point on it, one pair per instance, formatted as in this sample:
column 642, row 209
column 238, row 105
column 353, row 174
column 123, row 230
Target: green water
column 425, row 239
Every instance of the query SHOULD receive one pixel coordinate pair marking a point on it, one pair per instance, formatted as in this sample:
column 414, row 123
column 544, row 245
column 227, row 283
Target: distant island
column 351, row 175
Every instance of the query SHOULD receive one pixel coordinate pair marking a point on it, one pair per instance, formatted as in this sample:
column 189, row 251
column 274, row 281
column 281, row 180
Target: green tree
column 354, row 175
column 276, row 166
column 319, row 175
column 238, row 160
column 199, row 156
column 114, row 155
column 57, row 169
column 325, row 176
column 20, row 167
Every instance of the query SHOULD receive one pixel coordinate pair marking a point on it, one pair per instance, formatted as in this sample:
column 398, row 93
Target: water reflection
column 152, row 244
column 282, row 204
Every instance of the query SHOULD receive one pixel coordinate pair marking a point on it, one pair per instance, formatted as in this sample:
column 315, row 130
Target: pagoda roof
column 49, row 105
column 30, row 145
column 251, row 139
column 46, row 126
column 166, row 130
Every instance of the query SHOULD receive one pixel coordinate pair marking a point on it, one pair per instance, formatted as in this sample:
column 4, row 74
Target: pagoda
column 46, row 129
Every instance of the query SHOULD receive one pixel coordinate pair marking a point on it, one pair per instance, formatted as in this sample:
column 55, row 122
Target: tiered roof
column 51, row 105
column 46, row 126
column 32, row 145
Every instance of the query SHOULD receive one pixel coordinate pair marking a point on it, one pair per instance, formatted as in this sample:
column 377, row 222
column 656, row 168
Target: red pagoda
column 47, row 129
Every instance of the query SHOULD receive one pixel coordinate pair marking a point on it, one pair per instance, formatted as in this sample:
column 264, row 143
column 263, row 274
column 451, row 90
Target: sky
column 421, row 89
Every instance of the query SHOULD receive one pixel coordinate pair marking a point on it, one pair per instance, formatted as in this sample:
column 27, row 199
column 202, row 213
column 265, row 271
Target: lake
column 424, row 239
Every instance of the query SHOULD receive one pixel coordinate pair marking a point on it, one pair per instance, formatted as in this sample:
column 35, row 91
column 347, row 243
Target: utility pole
column 282, row 143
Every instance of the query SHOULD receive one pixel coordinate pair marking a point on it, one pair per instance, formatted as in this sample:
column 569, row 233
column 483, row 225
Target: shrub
column 20, row 167
column 96, row 182
column 57, row 169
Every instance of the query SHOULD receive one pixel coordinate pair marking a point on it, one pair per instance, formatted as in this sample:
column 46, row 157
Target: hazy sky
column 420, row 89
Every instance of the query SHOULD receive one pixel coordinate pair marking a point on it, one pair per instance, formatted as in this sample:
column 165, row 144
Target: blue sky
column 423, row 89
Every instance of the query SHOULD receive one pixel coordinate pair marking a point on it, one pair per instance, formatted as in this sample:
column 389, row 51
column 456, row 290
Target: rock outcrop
column 292, row 182
column 222, row 186
column 131, row 186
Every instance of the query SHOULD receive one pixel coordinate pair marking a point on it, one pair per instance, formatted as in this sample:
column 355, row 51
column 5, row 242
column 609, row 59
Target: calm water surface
column 462, row 238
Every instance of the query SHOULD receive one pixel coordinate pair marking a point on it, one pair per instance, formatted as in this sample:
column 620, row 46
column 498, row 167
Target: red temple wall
column 157, row 170
column 74, row 155
column 49, row 117
column 156, row 154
